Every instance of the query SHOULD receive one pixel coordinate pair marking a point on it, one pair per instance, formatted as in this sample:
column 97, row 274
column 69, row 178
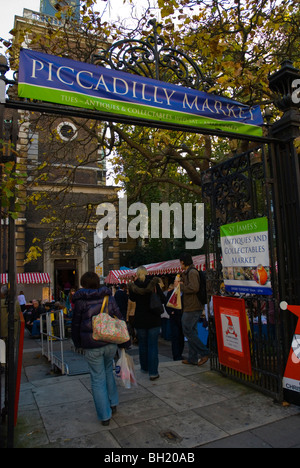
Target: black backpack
column 202, row 294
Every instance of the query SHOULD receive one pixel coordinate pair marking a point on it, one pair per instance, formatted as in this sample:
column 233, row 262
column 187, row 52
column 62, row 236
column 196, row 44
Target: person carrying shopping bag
column 192, row 311
column 88, row 303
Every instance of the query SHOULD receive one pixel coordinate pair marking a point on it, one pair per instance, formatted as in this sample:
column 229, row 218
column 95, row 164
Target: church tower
column 70, row 149
column 51, row 7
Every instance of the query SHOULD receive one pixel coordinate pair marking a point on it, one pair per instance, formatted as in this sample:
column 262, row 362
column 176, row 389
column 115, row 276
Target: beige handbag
column 107, row 328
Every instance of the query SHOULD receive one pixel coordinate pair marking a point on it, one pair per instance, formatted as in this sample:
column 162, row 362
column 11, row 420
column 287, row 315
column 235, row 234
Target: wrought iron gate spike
column 151, row 57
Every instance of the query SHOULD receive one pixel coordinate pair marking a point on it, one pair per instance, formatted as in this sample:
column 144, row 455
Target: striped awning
column 27, row 278
column 169, row 267
column 114, row 276
column 160, row 268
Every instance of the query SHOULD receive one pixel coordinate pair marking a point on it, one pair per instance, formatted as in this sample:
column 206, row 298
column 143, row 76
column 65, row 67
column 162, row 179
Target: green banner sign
column 245, row 257
column 63, row 81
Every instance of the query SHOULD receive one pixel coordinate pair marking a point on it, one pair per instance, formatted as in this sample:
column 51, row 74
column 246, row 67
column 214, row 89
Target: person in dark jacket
column 32, row 318
column 146, row 321
column 121, row 299
column 87, row 304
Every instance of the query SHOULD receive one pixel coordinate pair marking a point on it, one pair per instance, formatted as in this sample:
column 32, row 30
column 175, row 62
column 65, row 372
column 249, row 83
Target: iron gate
column 241, row 189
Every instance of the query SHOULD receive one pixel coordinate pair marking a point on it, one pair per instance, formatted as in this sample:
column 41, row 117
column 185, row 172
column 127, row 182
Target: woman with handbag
column 99, row 354
column 149, row 298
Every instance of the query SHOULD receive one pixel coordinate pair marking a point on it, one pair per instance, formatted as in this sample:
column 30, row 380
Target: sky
column 12, row 8
column 15, row 7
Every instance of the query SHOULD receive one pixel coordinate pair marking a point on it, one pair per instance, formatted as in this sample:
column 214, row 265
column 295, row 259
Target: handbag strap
column 104, row 304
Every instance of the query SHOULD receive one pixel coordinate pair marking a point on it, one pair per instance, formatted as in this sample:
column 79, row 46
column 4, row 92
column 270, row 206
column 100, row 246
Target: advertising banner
column 245, row 257
column 291, row 379
column 232, row 328
column 64, row 81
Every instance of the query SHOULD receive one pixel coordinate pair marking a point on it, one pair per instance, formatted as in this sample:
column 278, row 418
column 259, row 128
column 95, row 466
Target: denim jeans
column 104, row 388
column 190, row 330
column 35, row 328
column 148, row 349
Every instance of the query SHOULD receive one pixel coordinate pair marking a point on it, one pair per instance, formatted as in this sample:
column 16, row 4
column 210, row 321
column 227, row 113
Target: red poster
column 232, row 333
column 291, row 379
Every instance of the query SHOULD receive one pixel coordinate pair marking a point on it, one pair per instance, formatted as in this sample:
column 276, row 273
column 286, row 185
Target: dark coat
column 121, row 299
column 88, row 303
column 140, row 293
column 33, row 314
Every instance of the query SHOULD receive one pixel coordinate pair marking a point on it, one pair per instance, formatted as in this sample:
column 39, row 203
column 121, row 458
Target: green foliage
column 236, row 43
column 11, row 183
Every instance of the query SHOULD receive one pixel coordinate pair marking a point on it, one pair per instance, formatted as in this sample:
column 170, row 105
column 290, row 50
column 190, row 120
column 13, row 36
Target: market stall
column 34, row 285
column 115, row 276
column 167, row 267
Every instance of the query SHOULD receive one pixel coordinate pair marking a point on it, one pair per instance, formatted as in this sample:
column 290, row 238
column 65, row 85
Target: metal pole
column 12, row 289
column 12, row 137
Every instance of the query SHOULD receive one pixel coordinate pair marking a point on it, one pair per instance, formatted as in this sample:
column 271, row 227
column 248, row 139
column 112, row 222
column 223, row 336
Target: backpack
column 202, row 294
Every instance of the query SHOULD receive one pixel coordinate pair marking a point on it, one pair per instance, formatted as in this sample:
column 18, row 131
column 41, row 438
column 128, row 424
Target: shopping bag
column 130, row 364
column 109, row 329
column 175, row 299
column 125, row 370
column 156, row 307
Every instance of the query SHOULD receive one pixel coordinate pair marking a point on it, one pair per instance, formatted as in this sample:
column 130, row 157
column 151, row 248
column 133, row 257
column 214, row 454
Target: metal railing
column 41, row 17
column 52, row 332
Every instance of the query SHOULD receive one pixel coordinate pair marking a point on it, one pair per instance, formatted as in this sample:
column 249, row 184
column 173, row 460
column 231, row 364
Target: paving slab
column 176, row 431
column 142, row 409
column 244, row 440
column 186, row 395
column 186, row 408
column 281, row 434
column 245, row 412
column 60, row 393
column 70, row 420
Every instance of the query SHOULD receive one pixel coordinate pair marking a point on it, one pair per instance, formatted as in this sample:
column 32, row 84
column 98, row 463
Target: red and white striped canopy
column 163, row 268
column 114, row 276
column 27, row 278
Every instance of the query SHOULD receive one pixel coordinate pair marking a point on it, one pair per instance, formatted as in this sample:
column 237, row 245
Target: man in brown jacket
column 192, row 311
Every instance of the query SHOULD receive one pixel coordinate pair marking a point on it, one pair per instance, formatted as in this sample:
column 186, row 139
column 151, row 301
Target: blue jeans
column 148, row 349
column 36, row 328
column 104, row 388
column 190, row 330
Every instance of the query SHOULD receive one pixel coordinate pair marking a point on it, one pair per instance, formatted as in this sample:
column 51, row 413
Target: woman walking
column 147, row 321
column 88, row 302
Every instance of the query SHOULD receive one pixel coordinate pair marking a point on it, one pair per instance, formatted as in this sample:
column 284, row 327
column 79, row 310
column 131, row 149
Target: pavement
column 185, row 409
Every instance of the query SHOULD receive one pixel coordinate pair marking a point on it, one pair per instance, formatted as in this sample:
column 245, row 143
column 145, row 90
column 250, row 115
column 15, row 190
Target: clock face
column 67, row 131
column 296, row 345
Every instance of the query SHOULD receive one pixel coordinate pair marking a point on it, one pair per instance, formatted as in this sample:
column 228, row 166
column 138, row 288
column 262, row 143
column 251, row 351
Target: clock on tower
column 50, row 7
